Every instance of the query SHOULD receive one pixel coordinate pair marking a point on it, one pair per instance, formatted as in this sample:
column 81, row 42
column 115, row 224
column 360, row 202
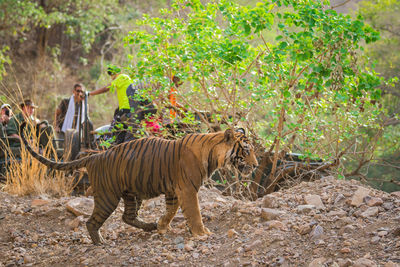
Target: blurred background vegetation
column 46, row 46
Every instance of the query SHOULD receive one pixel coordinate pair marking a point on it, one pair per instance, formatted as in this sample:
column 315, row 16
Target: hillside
column 324, row 223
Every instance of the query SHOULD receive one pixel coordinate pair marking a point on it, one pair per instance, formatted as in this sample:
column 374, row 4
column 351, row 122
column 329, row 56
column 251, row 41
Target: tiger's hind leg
column 103, row 207
column 132, row 206
column 171, row 206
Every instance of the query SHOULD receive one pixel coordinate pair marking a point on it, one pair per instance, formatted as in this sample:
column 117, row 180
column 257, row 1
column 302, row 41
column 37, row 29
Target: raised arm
column 100, row 90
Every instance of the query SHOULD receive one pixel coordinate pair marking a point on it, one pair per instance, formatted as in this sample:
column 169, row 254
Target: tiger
column 148, row 167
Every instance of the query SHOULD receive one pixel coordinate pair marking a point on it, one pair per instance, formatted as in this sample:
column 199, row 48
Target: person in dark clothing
column 41, row 129
column 69, row 111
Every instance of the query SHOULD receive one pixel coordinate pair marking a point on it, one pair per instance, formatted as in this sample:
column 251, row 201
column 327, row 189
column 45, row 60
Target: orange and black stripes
column 145, row 168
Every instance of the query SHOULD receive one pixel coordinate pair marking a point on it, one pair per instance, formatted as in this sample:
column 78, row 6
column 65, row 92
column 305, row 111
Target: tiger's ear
column 229, row 136
column 240, row 130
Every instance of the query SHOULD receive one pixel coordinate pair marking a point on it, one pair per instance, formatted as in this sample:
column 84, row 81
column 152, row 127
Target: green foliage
column 307, row 85
column 81, row 20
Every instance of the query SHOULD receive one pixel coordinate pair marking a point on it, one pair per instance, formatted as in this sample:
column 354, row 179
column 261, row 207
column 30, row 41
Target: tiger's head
column 241, row 155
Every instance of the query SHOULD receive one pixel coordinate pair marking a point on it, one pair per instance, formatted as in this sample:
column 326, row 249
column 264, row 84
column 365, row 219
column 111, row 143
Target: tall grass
column 27, row 176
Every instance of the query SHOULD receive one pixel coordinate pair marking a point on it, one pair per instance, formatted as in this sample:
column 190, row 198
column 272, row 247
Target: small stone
column 195, row 255
column 388, row 205
column 319, row 262
column 188, row 247
column 39, row 202
column 373, row 201
column 305, row 209
column 304, row 229
column 314, row 200
column 81, row 206
column 317, row 232
column 274, row 224
column 363, row 262
column 270, row 214
column 27, row 259
column 390, row 264
column 370, row 212
column 339, row 213
column 375, row 240
column 231, row 233
column 181, row 257
column 269, row 202
column 252, row 245
column 339, row 199
column 179, row 239
column 382, row 233
column 395, row 194
column 345, row 263
column 359, row 195
column 396, row 232
column 345, row 250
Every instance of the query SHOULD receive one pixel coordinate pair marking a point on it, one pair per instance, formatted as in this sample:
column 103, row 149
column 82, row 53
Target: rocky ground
column 323, row 223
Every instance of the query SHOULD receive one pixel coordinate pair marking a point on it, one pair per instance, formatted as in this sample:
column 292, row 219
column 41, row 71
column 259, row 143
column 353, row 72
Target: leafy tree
column 303, row 91
column 80, row 21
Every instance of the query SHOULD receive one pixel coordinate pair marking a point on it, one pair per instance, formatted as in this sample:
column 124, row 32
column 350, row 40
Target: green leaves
column 294, row 59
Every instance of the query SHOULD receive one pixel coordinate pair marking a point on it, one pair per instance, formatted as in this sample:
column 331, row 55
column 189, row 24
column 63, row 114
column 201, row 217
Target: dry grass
column 27, row 176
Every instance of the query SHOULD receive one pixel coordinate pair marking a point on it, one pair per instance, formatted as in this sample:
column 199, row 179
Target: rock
column 314, row 200
column 274, row 224
column 375, row 240
column 270, row 214
column 396, row 232
column 388, row 205
column 391, row 264
column 179, row 239
column 305, row 209
column 304, row 229
column 359, row 195
column 382, row 233
column 269, row 202
column 373, row 201
column 339, row 213
column 231, row 233
column 370, row 212
column 39, row 202
column 252, row 245
column 395, row 194
column 363, row 262
column 339, row 199
column 345, row 263
column 345, row 250
column 317, row 232
column 319, row 262
column 81, row 206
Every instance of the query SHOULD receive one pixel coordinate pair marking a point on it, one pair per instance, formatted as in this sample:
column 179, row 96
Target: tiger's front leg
column 191, row 211
column 132, row 206
column 171, row 206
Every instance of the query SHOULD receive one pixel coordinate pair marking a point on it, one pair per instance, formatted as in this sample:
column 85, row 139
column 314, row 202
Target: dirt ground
column 323, row 223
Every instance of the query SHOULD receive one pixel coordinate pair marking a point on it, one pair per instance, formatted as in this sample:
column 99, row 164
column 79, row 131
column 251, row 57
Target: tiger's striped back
column 147, row 167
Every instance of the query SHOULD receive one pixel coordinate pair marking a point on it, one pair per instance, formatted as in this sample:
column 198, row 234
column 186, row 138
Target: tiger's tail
column 61, row 166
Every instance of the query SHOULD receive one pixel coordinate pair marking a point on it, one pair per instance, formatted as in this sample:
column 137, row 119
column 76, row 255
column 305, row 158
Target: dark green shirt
column 14, row 127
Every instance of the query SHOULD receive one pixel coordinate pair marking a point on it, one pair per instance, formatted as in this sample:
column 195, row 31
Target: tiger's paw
column 148, row 227
column 207, row 231
column 163, row 229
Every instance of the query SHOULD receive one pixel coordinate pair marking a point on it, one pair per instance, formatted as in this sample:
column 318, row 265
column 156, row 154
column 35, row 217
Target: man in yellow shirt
column 129, row 102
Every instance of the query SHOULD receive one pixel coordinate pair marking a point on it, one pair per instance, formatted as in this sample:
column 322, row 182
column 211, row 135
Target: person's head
column 28, row 107
column 176, row 80
column 113, row 71
column 6, row 110
column 78, row 91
